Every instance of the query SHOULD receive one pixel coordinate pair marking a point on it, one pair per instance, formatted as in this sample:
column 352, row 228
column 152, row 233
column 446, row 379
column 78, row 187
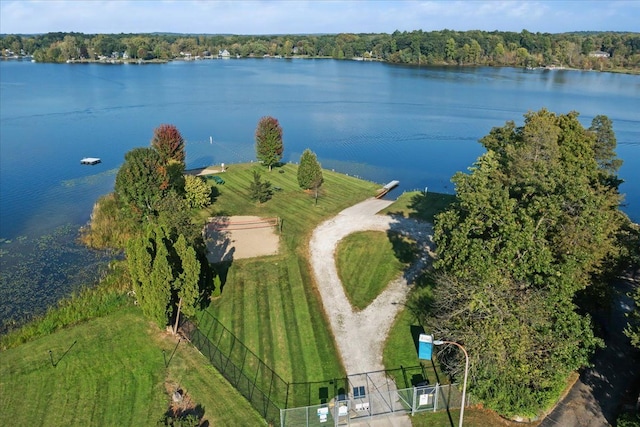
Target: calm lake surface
column 376, row 121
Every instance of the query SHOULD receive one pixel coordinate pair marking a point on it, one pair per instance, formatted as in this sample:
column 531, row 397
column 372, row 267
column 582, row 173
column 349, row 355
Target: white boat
column 90, row 161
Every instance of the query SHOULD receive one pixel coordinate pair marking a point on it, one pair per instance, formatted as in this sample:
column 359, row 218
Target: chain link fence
column 259, row 384
column 338, row 401
column 361, row 405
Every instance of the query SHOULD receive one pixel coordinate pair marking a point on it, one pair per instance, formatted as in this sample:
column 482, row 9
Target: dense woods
column 535, row 229
column 585, row 50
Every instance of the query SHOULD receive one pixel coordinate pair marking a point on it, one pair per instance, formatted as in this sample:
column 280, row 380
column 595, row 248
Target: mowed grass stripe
column 330, row 362
column 279, row 329
column 315, row 358
column 296, row 349
column 264, row 325
column 79, row 391
column 250, row 315
column 366, row 264
column 305, row 332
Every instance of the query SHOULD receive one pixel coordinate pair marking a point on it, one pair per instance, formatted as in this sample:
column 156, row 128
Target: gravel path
column 360, row 335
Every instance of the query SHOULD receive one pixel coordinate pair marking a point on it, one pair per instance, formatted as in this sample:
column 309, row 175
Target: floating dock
column 384, row 190
column 90, row 161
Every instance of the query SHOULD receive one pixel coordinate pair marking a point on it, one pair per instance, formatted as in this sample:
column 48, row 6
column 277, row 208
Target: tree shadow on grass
column 426, row 206
column 404, row 248
column 179, row 415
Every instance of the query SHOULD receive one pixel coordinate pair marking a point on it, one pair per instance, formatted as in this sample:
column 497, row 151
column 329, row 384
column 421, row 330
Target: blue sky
column 314, row 16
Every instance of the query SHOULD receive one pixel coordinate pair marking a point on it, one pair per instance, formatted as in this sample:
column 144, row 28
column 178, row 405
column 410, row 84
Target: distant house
column 224, row 54
column 599, row 54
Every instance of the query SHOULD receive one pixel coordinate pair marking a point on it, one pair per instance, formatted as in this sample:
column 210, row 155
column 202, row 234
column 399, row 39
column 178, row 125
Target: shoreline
column 120, row 61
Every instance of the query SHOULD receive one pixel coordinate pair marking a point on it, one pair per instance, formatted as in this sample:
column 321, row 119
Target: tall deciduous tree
column 269, row 145
column 169, row 143
column 310, row 172
column 141, row 181
column 531, row 226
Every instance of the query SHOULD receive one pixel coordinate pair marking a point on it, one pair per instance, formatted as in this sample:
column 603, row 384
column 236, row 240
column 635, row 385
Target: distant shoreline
column 120, row 61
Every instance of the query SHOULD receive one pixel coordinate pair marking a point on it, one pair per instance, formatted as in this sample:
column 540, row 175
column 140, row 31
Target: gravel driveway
column 360, row 336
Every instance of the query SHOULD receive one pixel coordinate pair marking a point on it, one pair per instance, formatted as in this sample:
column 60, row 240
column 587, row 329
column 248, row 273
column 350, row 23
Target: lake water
column 376, row 121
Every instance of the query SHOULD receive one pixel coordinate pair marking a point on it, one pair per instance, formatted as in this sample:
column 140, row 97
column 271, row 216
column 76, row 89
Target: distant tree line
column 585, row 50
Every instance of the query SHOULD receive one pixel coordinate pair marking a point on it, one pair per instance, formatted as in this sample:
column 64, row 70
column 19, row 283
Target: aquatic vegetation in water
column 35, row 273
column 89, row 180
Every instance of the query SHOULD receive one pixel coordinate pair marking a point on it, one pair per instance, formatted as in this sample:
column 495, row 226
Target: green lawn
column 110, row 371
column 473, row 417
column 271, row 303
column 366, row 263
column 416, row 205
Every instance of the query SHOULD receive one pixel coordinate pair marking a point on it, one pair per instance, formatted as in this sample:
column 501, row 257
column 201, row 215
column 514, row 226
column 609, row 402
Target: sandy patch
column 240, row 237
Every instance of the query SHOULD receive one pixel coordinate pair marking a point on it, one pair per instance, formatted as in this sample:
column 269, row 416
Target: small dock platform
column 90, row 161
column 384, row 190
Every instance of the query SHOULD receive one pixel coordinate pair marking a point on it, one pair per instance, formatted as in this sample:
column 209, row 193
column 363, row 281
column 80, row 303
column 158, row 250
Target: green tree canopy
column 310, row 172
column 141, row 181
column 605, row 145
column 269, row 146
column 532, row 226
column 197, row 192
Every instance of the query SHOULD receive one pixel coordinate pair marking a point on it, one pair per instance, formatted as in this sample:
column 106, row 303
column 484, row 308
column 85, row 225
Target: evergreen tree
column 186, row 285
column 165, row 274
column 269, row 146
column 259, row 190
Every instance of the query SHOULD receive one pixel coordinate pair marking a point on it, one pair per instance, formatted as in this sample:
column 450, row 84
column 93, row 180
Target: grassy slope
column 114, row 374
column 271, row 303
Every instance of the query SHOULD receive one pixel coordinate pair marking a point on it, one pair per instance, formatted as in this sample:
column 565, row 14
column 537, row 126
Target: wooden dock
column 384, row 190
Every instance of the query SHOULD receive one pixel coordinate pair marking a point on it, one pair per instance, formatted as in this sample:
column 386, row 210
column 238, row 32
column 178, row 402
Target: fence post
column 435, row 403
column 413, row 402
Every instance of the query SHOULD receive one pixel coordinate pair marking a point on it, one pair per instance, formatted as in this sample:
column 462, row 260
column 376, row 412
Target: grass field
column 417, row 205
column 473, row 417
column 366, row 263
column 271, row 303
column 110, row 371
